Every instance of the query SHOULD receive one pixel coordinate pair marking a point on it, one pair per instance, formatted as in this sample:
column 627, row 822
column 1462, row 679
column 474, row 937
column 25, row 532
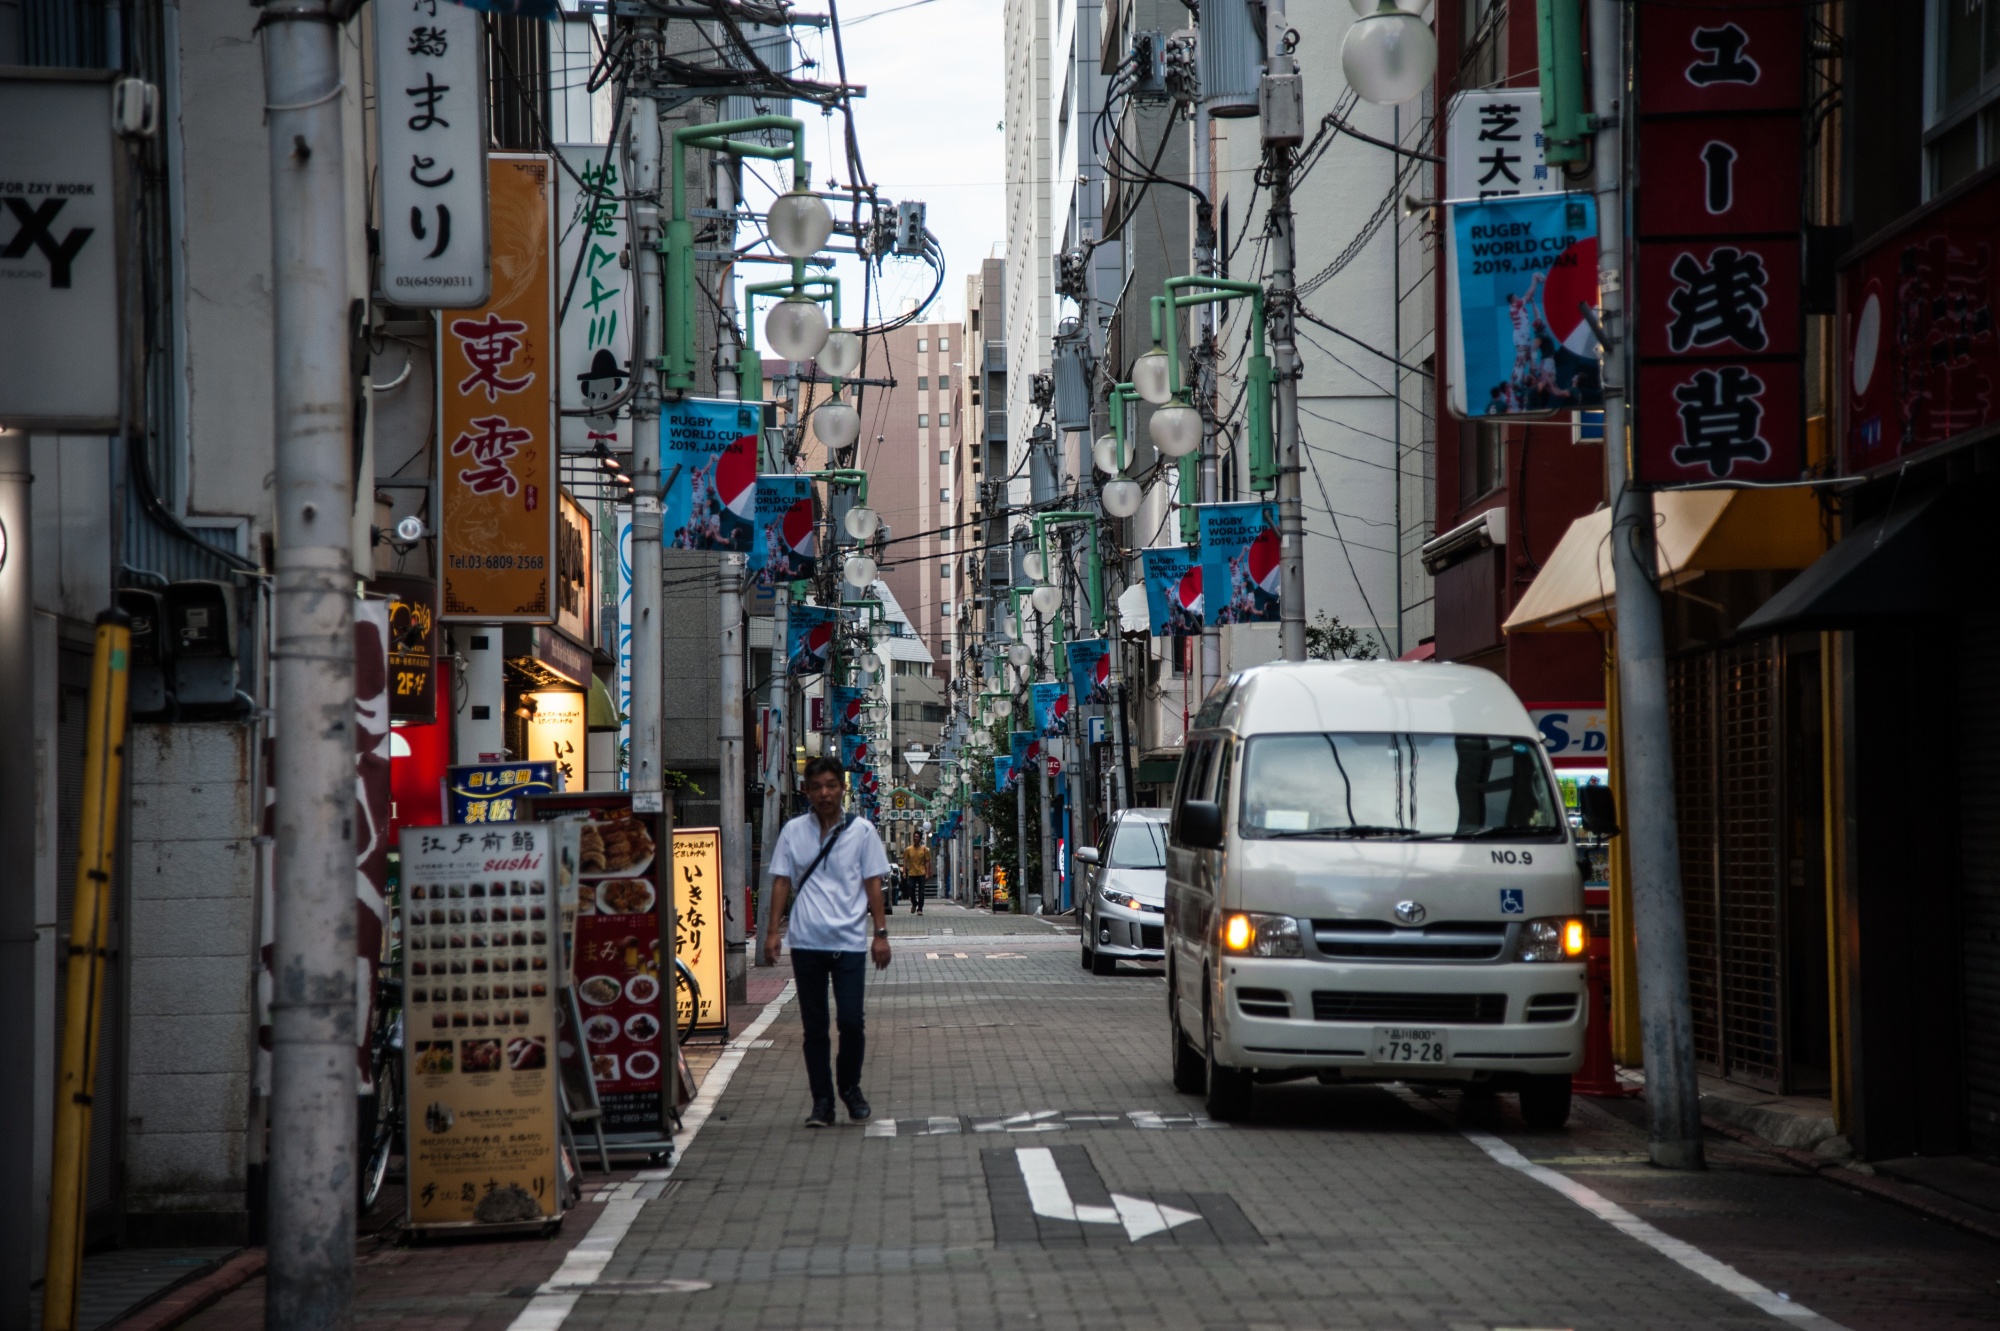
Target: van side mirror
column 1599, row 810
column 1086, row 855
column 1201, row 824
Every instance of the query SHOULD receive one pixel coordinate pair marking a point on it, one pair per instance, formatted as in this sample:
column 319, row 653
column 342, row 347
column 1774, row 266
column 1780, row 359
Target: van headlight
column 1253, row 935
column 1557, row 938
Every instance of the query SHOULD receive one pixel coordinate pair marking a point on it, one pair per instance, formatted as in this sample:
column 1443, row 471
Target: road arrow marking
column 1049, row 1195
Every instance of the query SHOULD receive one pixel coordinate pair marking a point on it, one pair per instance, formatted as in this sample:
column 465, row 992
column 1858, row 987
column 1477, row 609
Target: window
column 923, row 384
column 1140, row 843
column 944, row 568
column 1482, row 448
column 944, row 344
column 944, row 458
column 945, row 609
column 944, row 496
column 1962, row 130
column 944, row 419
column 923, row 421
column 1402, row 786
column 923, row 345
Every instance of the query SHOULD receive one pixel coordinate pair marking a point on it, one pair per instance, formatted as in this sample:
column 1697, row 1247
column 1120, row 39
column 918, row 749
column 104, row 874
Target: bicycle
column 382, row 1125
column 684, row 977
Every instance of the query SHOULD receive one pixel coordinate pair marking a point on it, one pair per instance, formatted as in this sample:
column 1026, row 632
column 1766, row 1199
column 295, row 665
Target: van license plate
column 1411, row 1044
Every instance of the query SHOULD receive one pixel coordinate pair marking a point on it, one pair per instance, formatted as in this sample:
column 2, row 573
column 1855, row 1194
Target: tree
column 1327, row 639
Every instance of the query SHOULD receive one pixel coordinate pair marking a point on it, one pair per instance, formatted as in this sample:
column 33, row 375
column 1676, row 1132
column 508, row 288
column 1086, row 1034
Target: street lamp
column 861, row 522
column 1020, row 655
column 796, row 329
column 1047, row 600
column 1106, row 455
column 1176, row 429
column 1149, row 376
column 1035, row 566
column 799, row 222
column 841, row 356
column 859, row 570
column 1388, row 55
column 836, row 423
column 1121, row 498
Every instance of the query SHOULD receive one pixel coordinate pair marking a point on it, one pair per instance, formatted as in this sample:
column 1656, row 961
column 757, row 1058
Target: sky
column 929, row 130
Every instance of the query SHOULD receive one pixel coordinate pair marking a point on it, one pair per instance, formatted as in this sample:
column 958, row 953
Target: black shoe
column 857, row 1106
column 822, row 1114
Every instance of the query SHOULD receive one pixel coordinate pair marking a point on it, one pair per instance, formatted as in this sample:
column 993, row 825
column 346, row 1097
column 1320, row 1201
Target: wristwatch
column 881, row 933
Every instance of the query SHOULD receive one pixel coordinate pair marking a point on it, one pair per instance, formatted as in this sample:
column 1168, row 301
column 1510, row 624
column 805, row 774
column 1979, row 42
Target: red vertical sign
column 1717, row 272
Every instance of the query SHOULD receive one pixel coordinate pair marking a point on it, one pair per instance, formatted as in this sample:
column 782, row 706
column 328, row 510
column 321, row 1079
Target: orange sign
column 496, row 414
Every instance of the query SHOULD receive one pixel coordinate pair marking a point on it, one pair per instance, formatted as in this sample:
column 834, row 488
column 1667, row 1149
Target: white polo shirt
column 830, row 909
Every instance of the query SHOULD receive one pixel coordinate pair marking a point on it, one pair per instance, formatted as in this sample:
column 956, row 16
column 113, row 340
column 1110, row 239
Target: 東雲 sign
column 496, row 409
column 430, row 97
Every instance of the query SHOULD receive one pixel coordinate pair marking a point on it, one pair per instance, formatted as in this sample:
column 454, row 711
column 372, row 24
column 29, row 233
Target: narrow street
column 1006, row 1081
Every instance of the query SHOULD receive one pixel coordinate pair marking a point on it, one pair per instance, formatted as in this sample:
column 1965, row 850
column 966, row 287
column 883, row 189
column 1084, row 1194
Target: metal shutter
column 1749, row 797
column 1691, row 700
column 1979, row 890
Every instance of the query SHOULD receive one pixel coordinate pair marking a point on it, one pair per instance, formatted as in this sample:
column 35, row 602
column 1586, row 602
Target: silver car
column 1125, row 901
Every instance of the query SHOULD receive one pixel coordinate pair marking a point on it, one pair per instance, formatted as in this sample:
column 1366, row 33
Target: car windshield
column 1141, row 843
column 1396, row 786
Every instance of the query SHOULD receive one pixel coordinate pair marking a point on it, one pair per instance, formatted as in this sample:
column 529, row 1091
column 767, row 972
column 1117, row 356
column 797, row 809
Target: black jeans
column 810, row 972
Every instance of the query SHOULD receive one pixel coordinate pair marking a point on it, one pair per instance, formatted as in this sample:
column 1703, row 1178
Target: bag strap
column 825, row 849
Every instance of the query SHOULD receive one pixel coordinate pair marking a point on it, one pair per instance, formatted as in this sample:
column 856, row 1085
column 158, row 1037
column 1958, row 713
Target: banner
column 808, row 636
column 1239, row 563
column 497, row 416
column 1173, row 590
column 783, row 544
column 1003, row 773
column 1090, row 671
column 479, row 1021
column 708, row 447
column 624, row 576
column 1025, row 750
column 1051, row 702
column 596, row 296
column 856, row 752
column 847, row 709
column 1519, row 273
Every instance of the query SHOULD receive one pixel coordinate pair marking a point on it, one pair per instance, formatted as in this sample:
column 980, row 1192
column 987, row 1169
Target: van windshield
column 1141, row 843
column 1397, row 786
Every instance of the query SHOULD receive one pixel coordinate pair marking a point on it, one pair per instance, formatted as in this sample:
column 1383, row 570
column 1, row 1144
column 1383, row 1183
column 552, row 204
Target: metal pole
column 642, row 168
column 777, row 758
column 1665, row 1012
column 310, row 1271
column 19, row 818
column 1285, row 359
column 1204, row 376
column 734, row 775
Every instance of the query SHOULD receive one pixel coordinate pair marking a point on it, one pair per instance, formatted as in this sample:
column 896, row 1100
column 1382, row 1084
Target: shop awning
column 1910, row 561
column 602, row 712
column 1698, row 531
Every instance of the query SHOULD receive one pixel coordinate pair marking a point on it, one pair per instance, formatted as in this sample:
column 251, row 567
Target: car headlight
column 1557, row 938
column 1254, row 935
column 1125, row 899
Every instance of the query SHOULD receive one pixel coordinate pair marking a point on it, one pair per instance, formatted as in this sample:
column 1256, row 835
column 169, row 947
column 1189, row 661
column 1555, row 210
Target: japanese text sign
column 1717, row 269
column 596, row 285
column 576, row 583
column 412, row 646
column 1493, row 146
column 430, row 96
column 492, row 792
column 496, row 408
column 1239, row 563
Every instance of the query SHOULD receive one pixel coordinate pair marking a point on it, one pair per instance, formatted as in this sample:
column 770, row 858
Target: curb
column 183, row 1302
column 1934, row 1206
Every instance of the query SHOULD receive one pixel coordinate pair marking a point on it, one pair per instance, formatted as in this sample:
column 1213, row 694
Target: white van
column 1370, row 877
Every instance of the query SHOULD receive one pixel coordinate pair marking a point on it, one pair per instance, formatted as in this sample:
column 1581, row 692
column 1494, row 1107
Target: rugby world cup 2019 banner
column 856, row 751
column 1090, row 670
column 847, row 709
column 1051, row 709
column 709, row 450
column 1025, row 749
column 1239, row 563
column 783, row 542
column 1003, row 772
column 1520, row 272
column 1173, row 590
column 808, row 637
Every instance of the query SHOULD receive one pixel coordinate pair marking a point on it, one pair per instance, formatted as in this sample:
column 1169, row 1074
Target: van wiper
column 1508, row 830
column 1352, row 831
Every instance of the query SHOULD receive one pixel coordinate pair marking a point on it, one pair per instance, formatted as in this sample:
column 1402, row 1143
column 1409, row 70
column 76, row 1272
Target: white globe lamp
column 1176, row 430
column 1047, row 600
column 861, row 522
column 836, row 423
column 859, row 571
column 799, row 222
column 1150, row 378
column 1121, row 498
column 796, row 328
column 1105, row 454
column 1020, row 654
column 1035, row 565
column 841, row 356
column 1388, row 56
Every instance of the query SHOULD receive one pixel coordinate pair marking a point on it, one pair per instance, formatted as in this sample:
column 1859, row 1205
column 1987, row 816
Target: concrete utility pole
column 778, row 757
column 642, row 170
column 19, row 821
column 1281, row 104
column 310, row 1276
column 1209, row 488
column 1652, row 837
column 734, row 774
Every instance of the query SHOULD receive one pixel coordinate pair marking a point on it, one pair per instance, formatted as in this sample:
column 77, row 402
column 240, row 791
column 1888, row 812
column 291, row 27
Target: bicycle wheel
column 388, row 1130
column 684, row 979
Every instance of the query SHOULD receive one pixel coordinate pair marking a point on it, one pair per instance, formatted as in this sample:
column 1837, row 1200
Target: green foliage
column 1327, row 639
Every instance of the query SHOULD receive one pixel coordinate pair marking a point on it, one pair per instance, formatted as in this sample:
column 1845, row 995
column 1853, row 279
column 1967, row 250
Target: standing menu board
column 479, row 981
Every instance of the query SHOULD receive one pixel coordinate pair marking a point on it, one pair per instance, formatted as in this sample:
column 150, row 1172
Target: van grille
column 1374, row 940
column 1264, row 1002
column 1460, row 1009
column 1552, row 1007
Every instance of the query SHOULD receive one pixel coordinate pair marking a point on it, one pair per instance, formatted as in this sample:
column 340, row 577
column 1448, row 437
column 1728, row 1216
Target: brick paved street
column 1007, row 1082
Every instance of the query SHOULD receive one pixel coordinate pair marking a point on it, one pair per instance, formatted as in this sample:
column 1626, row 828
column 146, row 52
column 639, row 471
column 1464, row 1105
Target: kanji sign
column 430, row 96
column 595, row 279
column 1718, row 263
column 496, row 416
column 1493, row 146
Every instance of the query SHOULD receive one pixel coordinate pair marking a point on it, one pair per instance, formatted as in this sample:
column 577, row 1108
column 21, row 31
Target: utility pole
column 642, row 170
column 778, row 757
column 1204, row 375
column 310, row 1276
column 734, row 775
column 1281, row 107
column 1652, row 838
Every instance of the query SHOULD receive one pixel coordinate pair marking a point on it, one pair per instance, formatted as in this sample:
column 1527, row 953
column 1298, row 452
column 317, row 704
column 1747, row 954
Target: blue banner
column 708, row 462
column 1090, row 671
column 856, row 752
column 1524, row 269
column 846, row 709
column 1173, row 590
column 1239, row 563
column 1024, row 750
column 1003, row 772
column 490, row 792
column 1051, row 708
column 808, row 636
column 783, row 544
column 517, row 8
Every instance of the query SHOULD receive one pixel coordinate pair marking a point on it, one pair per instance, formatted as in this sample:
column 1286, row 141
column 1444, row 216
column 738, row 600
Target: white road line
column 1684, row 1254
column 585, row 1263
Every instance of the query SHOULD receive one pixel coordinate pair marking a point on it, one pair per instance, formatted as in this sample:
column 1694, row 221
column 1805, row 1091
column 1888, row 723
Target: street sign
column 916, row 757
column 430, row 82
column 1493, row 147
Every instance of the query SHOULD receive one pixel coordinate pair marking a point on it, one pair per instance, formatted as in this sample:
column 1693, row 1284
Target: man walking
column 917, row 873
column 832, row 863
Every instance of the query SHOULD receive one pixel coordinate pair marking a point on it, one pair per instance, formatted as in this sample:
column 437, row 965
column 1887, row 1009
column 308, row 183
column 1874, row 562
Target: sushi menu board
column 479, row 958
